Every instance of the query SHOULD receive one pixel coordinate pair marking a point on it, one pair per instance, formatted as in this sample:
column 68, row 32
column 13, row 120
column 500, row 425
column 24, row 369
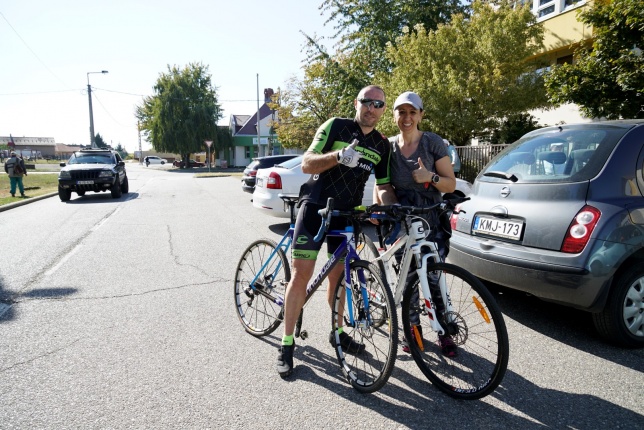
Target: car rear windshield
column 289, row 164
column 561, row 154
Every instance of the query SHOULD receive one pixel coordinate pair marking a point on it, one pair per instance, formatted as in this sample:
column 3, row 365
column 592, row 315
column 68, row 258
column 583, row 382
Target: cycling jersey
column 346, row 184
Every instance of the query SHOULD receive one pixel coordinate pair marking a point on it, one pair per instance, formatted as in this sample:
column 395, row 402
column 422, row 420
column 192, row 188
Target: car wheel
column 65, row 194
column 81, row 193
column 622, row 320
column 125, row 186
column 162, row 163
column 116, row 190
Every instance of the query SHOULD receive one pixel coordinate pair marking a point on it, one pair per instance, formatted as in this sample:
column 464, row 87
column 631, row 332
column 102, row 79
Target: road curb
column 26, row 201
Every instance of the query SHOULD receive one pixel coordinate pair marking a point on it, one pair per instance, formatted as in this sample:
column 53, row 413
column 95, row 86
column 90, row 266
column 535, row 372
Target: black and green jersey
column 346, row 184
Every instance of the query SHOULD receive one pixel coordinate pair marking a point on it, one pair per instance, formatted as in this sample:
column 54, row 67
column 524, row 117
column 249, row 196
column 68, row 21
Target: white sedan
column 286, row 178
column 153, row 159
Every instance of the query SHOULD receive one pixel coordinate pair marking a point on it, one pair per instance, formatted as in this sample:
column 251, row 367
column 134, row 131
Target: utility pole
column 91, row 113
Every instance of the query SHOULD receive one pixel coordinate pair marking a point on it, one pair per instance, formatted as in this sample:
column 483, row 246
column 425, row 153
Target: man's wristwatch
column 339, row 156
column 436, row 178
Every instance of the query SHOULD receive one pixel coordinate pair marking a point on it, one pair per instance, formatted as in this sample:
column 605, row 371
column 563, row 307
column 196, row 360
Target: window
column 567, row 59
column 568, row 3
column 546, row 11
column 247, row 152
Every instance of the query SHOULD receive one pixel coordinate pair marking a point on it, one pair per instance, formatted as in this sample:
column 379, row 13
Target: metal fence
column 474, row 158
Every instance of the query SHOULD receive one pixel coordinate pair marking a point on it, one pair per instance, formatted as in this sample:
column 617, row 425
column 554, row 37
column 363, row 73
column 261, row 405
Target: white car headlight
column 106, row 174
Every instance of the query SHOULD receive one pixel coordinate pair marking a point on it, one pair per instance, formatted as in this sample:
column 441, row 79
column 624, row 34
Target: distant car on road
column 287, row 178
column 153, row 159
column 560, row 215
column 248, row 178
column 191, row 163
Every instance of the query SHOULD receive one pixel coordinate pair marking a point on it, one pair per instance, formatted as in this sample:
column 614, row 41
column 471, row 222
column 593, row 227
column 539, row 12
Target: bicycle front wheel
column 259, row 306
column 368, row 368
column 471, row 361
column 367, row 251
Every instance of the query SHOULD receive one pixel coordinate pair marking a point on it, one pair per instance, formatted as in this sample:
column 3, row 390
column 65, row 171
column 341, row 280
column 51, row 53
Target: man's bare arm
column 386, row 194
column 313, row 163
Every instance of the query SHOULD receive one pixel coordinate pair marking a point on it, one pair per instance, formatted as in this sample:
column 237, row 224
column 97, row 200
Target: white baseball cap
column 409, row 98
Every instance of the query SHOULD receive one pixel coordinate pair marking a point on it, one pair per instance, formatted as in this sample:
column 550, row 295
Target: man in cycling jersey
column 342, row 155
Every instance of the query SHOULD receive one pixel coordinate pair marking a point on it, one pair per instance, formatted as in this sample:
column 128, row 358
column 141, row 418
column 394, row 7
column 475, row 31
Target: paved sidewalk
column 26, row 201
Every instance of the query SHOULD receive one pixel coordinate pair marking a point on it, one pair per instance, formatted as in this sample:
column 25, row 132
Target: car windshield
column 91, row 159
column 570, row 154
column 289, row 164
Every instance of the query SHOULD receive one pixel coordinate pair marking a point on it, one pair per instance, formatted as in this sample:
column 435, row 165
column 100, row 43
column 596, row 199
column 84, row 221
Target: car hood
column 546, row 211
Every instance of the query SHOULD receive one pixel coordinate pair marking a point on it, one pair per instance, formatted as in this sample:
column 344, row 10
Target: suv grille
column 85, row 174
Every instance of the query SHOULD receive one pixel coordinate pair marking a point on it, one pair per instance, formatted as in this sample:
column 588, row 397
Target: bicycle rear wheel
column 370, row 369
column 259, row 307
column 475, row 326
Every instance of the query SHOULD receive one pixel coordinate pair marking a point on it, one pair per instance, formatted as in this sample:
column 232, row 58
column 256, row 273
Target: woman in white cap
column 420, row 171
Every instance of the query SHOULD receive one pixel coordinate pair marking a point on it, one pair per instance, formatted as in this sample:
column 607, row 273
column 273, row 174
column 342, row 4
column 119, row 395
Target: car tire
column 125, row 186
column 80, row 193
column 65, row 194
column 622, row 320
column 116, row 190
column 162, row 163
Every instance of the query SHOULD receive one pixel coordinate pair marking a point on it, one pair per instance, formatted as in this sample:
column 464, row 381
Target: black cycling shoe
column 285, row 360
column 347, row 343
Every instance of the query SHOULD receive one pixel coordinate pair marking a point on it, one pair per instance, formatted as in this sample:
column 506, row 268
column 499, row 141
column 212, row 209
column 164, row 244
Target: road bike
column 263, row 273
column 450, row 302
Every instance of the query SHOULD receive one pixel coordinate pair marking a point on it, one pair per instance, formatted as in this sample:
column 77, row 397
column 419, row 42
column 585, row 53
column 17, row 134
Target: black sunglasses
column 369, row 102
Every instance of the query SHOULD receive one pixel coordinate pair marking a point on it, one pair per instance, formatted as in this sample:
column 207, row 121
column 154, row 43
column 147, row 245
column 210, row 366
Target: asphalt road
column 119, row 314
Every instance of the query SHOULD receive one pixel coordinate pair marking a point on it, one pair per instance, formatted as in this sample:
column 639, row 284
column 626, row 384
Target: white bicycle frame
column 413, row 243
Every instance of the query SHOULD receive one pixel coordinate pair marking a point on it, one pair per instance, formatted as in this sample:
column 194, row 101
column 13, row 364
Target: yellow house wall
column 562, row 34
column 564, row 30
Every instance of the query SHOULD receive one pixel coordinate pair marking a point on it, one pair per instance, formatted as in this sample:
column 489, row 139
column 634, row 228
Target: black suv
column 92, row 170
column 248, row 179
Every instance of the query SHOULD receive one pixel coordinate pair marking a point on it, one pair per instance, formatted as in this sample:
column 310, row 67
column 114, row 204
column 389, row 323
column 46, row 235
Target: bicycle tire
column 368, row 251
column 259, row 310
column 369, row 370
column 479, row 332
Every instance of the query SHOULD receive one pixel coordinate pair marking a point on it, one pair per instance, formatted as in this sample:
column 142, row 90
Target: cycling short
column 307, row 226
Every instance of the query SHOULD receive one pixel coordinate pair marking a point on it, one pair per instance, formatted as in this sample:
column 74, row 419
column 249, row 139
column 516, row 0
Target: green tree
column 607, row 79
column 365, row 27
column 513, row 127
column 471, row 73
column 99, row 142
column 182, row 113
column 122, row 151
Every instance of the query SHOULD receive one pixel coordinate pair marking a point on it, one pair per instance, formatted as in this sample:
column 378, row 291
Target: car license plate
column 498, row 227
column 259, row 182
column 85, row 182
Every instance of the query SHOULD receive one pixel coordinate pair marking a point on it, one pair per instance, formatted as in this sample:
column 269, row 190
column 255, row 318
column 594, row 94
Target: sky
column 49, row 47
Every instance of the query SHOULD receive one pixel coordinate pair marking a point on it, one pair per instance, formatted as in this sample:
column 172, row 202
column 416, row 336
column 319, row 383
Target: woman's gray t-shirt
column 430, row 148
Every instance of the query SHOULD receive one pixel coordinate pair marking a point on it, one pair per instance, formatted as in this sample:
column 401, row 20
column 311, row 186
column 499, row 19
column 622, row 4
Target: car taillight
column 274, row 181
column 252, row 173
column 580, row 229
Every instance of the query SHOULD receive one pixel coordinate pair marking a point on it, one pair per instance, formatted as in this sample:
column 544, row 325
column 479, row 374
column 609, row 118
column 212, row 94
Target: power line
column 32, row 51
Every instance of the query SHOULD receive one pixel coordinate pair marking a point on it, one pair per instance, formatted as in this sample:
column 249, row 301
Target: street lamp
column 91, row 114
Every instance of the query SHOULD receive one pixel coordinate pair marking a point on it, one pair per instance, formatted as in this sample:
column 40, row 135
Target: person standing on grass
column 15, row 168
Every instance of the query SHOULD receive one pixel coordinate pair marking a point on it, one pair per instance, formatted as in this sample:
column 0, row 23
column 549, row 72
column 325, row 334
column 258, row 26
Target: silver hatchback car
column 560, row 215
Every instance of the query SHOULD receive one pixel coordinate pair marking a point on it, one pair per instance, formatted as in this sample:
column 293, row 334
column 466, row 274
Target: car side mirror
column 122, row 163
column 62, row 164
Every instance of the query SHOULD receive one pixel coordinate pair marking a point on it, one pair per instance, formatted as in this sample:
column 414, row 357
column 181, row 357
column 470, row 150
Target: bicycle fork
column 430, row 304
